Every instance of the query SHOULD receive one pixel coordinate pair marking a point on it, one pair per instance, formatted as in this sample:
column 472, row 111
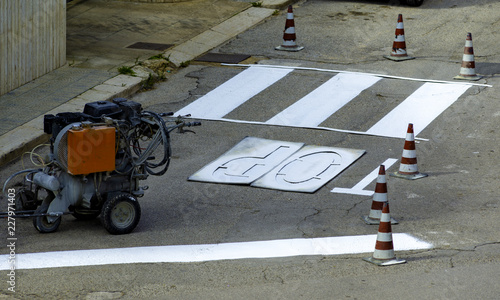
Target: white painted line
column 371, row 74
column 420, row 108
column 210, row 252
column 324, row 101
column 374, row 174
column 353, row 191
column 234, row 92
column 358, row 189
column 293, row 126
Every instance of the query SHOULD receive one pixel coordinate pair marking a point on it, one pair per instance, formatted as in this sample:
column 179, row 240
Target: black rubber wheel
column 414, row 2
column 121, row 214
column 42, row 224
column 85, row 216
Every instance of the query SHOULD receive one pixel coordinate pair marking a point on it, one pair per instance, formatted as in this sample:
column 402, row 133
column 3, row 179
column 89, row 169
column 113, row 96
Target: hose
column 160, row 137
column 14, row 175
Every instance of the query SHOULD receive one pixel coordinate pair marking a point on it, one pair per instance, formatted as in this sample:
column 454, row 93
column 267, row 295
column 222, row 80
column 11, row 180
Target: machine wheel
column 120, row 214
column 85, row 216
column 414, row 2
column 42, row 224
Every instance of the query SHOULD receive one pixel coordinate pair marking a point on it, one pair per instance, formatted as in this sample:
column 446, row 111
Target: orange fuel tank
column 91, row 149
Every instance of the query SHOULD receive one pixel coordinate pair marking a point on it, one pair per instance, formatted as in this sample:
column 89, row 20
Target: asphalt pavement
column 455, row 208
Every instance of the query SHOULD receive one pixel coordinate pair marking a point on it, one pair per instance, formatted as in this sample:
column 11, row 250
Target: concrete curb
column 217, row 35
column 27, row 136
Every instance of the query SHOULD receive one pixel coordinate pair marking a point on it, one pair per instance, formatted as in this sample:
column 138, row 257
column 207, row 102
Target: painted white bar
column 318, row 105
column 358, row 189
column 210, row 252
column 352, row 191
column 420, row 108
column 234, row 92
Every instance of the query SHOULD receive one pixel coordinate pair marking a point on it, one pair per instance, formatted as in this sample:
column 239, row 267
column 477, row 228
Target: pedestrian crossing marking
column 324, row 101
column 234, row 92
column 419, row 108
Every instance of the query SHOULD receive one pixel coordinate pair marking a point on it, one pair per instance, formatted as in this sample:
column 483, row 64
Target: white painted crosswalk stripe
column 324, row 101
column 234, row 92
column 420, row 108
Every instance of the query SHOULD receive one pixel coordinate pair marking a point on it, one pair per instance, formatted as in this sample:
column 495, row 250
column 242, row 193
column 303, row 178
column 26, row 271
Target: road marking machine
column 96, row 161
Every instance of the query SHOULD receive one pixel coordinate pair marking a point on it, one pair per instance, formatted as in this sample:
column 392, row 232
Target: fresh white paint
column 232, row 93
column 420, row 108
column 210, row 252
column 324, row 101
column 358, row 189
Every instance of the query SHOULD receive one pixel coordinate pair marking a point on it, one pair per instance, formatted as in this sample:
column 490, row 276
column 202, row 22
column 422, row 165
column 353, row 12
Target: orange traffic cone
column 468, row 69
column 398, row 52
column 379, row 199
column 384, row 248
column 409, row 168
column 289, row 37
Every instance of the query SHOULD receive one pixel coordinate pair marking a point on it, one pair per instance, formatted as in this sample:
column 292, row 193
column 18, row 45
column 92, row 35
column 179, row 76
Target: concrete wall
column 32, row 40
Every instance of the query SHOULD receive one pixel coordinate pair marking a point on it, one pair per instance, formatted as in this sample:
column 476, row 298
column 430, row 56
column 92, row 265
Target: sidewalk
column 99, row 36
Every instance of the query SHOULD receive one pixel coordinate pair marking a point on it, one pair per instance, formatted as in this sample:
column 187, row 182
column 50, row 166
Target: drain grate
column 150, row 46
column 223, row 58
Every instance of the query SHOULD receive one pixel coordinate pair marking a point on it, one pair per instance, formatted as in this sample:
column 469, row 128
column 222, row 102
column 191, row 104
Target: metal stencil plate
column 247, row 161
column 278, row 165
column 309, row 169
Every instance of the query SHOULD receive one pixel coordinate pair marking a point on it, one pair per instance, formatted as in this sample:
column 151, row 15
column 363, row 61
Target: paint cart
column 95, row 166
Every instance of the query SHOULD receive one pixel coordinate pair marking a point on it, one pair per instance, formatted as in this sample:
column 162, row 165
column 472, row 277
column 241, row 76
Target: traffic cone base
column 408, row 176
column 473, row 78
column 382, row 262
column 398, row 58
column 289, row 48
column 372, row 221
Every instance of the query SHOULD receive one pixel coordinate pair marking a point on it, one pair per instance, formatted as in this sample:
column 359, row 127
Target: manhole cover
column 150, row 46
column 223, row 58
